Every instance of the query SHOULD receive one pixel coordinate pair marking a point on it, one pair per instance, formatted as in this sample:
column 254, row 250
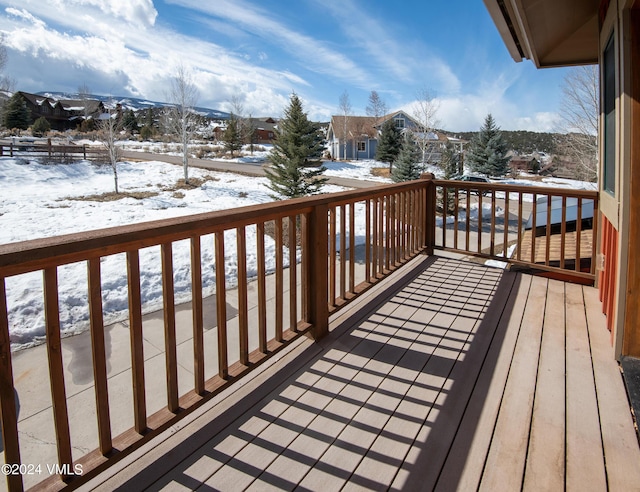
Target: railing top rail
column 36, row 254
column 539, row 190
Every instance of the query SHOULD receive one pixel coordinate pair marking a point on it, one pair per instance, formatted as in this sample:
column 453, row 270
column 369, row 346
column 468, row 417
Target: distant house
column 362, row 133
column 524, row 163
column 62, row 114
column 361, row 137
column 265, row 129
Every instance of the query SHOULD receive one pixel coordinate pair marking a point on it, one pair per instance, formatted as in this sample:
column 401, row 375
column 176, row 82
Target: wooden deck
column 447, row 376
column 555, row 254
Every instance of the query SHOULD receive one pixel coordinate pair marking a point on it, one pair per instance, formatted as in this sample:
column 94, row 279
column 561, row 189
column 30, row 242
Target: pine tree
column 295, row 169
column 40, row 127
column 389, row 144
column 449, row 163
column 129, row 121
column 407, row 166
column 487, row 153
column 16, row 113
column 232, row 136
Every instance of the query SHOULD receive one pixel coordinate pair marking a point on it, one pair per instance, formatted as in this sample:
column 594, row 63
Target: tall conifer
column 295, row 168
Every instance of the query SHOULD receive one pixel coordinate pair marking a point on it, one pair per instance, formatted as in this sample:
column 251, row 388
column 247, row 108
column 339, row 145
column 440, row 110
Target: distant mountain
column 134, row 103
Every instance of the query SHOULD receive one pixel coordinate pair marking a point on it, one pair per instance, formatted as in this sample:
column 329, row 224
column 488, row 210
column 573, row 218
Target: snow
column 48, row 200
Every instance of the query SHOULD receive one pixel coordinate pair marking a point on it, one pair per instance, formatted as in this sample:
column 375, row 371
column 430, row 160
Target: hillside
column 522, row 141
column 134, row 104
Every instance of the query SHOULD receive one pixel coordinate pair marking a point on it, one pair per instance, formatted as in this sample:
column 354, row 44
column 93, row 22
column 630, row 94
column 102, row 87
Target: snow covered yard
column 42, row 200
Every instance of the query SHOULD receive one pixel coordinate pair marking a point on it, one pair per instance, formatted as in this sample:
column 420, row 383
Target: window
column 399, row 122
column 362, row 146
column 609, row 110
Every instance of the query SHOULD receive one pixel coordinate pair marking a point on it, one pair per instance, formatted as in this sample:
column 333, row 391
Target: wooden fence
column 53, row 152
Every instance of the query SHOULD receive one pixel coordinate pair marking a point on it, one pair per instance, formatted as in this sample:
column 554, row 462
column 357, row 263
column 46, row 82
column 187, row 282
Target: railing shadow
column 387, row 390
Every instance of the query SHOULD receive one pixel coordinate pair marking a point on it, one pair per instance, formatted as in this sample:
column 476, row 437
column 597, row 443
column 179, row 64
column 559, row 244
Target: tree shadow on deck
column 391, row 399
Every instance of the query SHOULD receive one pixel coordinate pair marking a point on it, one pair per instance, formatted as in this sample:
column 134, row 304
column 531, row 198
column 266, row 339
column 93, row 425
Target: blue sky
column 260, row 52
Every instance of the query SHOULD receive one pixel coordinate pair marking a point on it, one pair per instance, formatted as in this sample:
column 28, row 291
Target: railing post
column 8, row 411
column 430, row 212
column 315, row 288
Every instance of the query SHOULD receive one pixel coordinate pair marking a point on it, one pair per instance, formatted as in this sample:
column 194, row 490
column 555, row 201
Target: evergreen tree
column 450, row 161
column 487, row 153
column 389, row 144
column 40, row 127
column 232, row 136
column 129, row 121
column 16, row 113
column 295, row 169
column 450, row 165
column 407, row 166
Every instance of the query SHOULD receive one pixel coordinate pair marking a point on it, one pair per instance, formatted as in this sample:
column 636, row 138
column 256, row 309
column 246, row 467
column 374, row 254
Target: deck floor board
column 465, row 377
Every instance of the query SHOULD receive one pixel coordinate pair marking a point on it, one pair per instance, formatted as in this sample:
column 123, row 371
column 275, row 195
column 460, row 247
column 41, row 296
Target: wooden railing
column 548, row 229
column 328, row 250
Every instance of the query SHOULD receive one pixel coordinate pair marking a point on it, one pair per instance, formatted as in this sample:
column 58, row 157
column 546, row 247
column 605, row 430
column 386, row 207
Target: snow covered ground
column 41, row 200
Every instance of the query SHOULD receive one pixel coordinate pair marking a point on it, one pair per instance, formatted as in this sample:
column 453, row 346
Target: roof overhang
column 550, row 33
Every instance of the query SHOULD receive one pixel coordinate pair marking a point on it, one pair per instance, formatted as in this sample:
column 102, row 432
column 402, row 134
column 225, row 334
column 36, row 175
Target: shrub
column 40, row 127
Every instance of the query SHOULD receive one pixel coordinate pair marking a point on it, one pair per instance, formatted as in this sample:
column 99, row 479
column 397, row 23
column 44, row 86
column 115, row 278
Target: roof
column 356, row 125
column 550, row 33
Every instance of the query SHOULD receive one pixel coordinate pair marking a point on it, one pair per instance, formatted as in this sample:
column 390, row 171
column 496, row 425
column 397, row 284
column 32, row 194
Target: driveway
column 236, row 167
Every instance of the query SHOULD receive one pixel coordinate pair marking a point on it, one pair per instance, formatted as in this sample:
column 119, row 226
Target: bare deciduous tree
column 84, row 94
column 376, row 108
column 109, row 127
column 345, row 110
column 7, row 84
column 183, row 96
column 425, row 110
column 579, row 112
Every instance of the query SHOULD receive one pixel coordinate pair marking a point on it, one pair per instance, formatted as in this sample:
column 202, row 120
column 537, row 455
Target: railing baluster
column 367, row 240
column 243, row 307
column 594, row 229
column 548, row 232
column 304, row 267
column 8, row 410
column 505, row 225
column 444, row 216
column 534, row 216
column 579, row 234
column 480, row 221
column 221, row 306
column 455, row 217
column 169, row 327
column 388, row 233
column 468, row 222
column 343, row 252
column 352, row 248
column 56, row 371
column 293, row 275
column 519, row 248
column 492, row 246
column 99, row 356
column 332, row 256
column 262, row 291
column 376, row 240
column 197, row 315
column 563, row 231
column 279, row 294
column 136, row 340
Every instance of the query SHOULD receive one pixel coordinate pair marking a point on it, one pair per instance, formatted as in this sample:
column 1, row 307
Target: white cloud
column 313, row 53
column 139, row 12
column 390, row 51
